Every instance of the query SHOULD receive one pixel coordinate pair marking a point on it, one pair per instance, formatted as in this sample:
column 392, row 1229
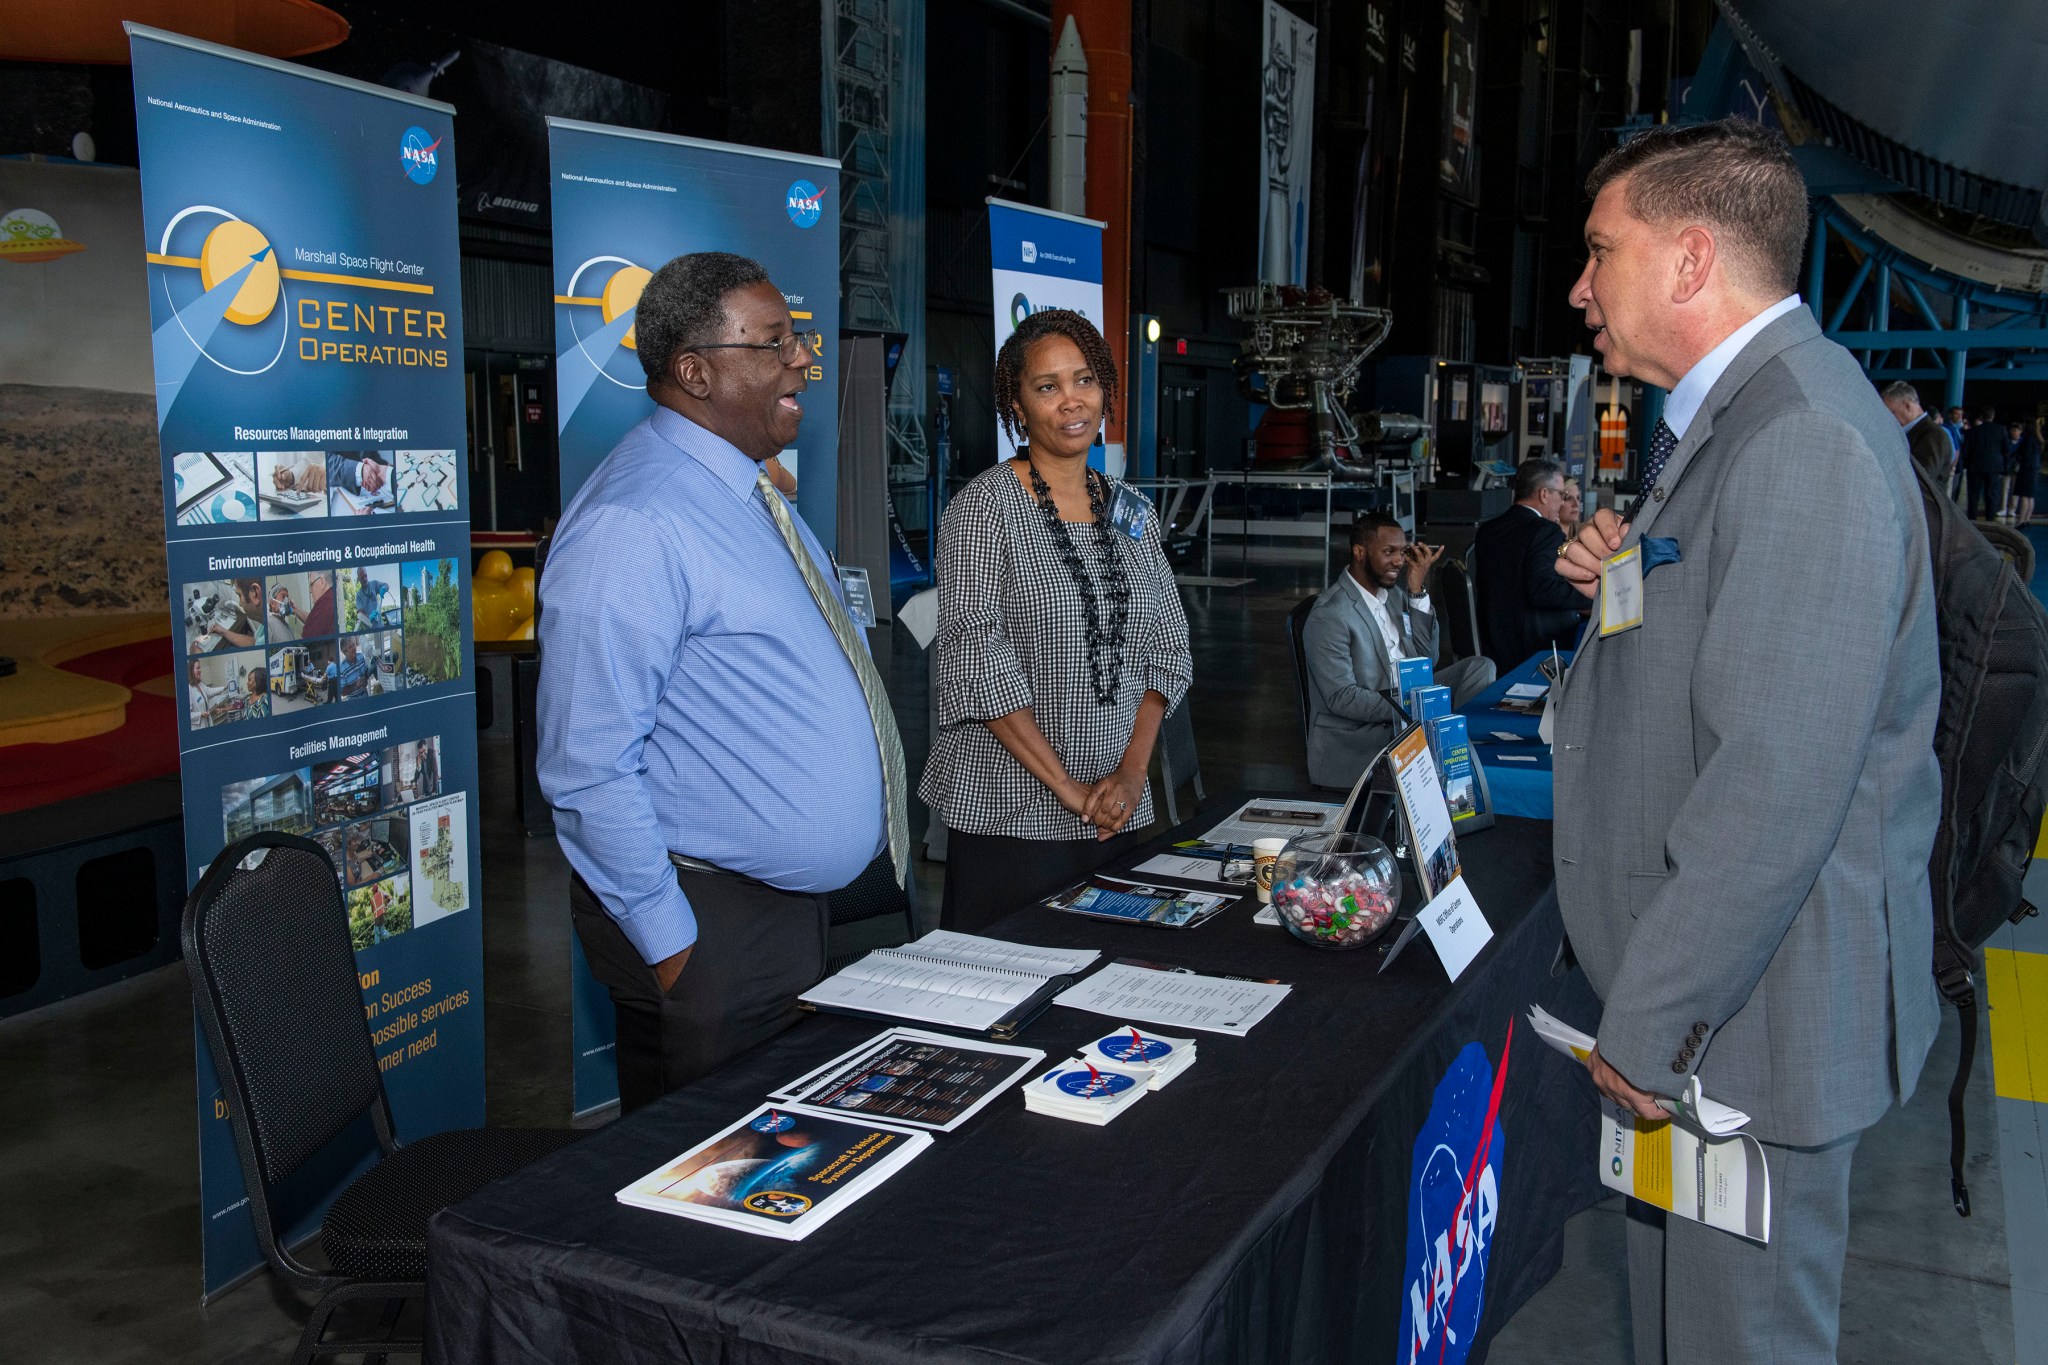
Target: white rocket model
column 1068, row 129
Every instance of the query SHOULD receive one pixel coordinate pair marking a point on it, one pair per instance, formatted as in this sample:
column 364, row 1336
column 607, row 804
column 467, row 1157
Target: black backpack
column 1990, row 739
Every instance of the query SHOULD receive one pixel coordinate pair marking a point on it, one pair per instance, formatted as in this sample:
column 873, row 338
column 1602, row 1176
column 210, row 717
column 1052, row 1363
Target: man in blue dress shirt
column 703, row 737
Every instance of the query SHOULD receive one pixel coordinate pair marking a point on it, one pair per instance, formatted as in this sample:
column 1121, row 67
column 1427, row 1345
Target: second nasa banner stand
column 1043, row 259
column 624, row 203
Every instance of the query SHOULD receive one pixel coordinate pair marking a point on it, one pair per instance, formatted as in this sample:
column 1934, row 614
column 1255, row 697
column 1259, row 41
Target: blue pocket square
column 1657, row 551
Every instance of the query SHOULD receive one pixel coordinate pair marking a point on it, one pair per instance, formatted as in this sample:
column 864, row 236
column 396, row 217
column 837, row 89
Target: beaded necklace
column 1105, row 637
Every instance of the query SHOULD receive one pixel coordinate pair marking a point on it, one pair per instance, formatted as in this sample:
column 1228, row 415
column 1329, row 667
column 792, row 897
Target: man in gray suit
column 1377, row 611
column 1746, row 785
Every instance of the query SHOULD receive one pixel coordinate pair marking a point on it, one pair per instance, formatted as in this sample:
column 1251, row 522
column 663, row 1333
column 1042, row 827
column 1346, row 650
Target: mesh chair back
column 1297, row 622
column 1457, row 608
column 274, row 975
column 871, row 895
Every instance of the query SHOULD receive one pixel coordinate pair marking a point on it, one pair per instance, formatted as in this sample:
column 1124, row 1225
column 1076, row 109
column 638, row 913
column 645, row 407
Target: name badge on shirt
column 1127, row 511
column 1621, row 592
column 860, row 596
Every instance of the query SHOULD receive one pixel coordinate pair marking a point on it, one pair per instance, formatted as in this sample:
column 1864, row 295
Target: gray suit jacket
column 1349, row 721
column 1746, row 785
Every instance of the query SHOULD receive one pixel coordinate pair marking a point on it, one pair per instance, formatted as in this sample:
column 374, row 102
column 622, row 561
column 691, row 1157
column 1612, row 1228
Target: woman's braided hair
column 1035, row 328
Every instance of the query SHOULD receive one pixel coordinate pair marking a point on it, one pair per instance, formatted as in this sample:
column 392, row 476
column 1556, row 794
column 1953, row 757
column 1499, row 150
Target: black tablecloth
column 1258, row 1209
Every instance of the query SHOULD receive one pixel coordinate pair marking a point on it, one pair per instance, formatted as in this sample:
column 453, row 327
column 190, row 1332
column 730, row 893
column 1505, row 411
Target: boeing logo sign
column 805, row 204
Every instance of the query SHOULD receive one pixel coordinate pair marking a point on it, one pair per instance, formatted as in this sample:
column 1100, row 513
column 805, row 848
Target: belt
column 689, row 864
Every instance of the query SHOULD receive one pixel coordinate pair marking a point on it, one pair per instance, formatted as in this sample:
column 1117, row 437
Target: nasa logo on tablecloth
column 1453, row 1206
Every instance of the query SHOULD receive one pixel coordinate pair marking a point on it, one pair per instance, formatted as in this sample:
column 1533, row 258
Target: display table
column 1259, row 1209
column 1518, row 773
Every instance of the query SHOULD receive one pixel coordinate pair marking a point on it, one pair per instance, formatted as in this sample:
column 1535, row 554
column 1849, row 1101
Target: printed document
column 1695, row 1165
column 1211, row 1004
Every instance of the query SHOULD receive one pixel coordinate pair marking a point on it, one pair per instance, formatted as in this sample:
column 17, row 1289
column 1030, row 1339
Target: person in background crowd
column 1955, row 423
column 1984, row 465
column 2026, row 465
column 1925, row 440
column 1061, row 641
column 704, row 833
column 1747, row 795
column 1376, row 612
column 1524, row 607
column 1572, row 509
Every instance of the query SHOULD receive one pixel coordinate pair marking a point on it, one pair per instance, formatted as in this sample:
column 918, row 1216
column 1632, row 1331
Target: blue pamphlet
column 1447, row 735
column 1410, row 674
column 1431, row 702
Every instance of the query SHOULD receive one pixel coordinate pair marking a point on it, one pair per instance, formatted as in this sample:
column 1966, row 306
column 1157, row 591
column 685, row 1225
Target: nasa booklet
column 918, row 1079
column 777, row 1173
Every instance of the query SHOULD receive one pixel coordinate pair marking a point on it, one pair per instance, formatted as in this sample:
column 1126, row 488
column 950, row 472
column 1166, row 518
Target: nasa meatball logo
column 418, row 155
column 773, row 1122
column 805, row 204
column 1454, row 1188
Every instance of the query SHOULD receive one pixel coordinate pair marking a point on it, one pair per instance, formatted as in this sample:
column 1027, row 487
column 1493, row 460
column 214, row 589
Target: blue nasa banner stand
column 305, row 305
column 624, row 203
column 1042, row 259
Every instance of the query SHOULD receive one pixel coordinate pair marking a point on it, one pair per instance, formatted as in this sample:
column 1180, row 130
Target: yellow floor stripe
column 2041, row 842
column 2016, row 990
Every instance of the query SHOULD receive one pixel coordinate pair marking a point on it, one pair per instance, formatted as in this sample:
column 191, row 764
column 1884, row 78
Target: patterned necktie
column 887, row 741
column 1663, row 441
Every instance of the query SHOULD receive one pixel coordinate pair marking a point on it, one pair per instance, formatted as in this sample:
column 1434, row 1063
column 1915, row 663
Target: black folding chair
column 1457, row 609
column 266, row 942
column 1297, row 622
column 1178, row 761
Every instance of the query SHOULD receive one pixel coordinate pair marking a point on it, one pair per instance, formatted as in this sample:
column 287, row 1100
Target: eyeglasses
column 787, row 349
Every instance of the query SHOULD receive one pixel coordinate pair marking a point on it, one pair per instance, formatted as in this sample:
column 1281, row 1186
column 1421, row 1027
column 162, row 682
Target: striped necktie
column 1663, row 441
column 887, row 741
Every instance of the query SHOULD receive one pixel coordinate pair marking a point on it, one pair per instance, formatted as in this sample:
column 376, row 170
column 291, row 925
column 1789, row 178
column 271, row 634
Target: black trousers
column 989, row 875
column 1983, row 495
column 757, row 949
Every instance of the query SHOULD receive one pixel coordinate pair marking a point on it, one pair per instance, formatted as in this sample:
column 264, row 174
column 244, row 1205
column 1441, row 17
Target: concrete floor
column 99, row 1245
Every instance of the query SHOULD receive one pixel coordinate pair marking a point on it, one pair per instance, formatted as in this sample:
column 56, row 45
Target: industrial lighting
column 1152, row 330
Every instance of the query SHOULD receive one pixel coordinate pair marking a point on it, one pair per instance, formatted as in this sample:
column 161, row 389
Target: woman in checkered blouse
column 1061, row 641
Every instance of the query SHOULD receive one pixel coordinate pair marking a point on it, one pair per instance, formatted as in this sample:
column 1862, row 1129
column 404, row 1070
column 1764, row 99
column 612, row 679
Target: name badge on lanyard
column 1621, row 592
column 860, row 596
column 1127, row 512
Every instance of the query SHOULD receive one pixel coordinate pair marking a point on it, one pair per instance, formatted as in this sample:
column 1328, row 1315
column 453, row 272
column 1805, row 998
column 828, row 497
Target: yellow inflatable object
column 525, row 631
column 496, row 566
column 521, row 587
column 495, row 611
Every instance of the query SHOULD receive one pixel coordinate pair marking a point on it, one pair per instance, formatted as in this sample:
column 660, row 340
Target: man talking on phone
column 1376, row 612
column 1746, row 784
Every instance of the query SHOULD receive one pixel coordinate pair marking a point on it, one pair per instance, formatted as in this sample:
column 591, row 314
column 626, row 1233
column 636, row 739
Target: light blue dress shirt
column 1692, row 390
column 692, row 698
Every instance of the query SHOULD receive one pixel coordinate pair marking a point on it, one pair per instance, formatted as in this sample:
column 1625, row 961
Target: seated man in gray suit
column 1377, row 611
column 1746, row 785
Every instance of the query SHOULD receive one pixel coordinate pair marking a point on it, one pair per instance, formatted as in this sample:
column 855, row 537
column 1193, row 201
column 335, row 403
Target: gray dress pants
column 1700, row 1295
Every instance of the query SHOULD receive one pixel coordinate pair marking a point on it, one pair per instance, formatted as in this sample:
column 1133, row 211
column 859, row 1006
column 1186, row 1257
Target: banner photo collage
column 1042, row 259
column 304, row 289
column 625, row 203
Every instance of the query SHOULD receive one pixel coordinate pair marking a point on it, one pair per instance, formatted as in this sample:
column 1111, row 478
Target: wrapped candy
column 1336, row 890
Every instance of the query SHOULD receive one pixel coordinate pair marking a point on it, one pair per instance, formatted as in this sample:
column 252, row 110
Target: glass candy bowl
column 1336, row 890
